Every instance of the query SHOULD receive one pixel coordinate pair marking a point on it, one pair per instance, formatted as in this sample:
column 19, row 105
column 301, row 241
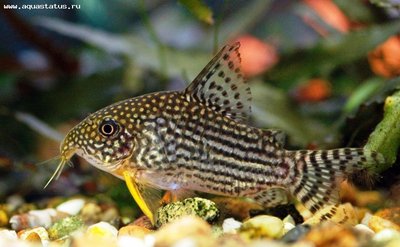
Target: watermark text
column 41, row 6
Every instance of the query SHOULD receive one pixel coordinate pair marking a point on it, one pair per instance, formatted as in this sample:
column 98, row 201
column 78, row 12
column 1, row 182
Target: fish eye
column 108, row 127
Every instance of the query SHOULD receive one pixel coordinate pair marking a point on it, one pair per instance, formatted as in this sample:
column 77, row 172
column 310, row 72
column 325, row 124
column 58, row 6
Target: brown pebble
column 235, row 208
column 144, row 222
column 349, row 193
column 85, row 241
column 330, row 234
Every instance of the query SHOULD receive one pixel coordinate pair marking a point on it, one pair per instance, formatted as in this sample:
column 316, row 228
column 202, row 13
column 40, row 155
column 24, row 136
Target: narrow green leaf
column 362, row 93
column 199, row 9
column 331, row 53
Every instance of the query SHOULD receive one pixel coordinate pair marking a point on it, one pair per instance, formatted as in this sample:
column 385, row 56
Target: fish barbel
column 198, row 139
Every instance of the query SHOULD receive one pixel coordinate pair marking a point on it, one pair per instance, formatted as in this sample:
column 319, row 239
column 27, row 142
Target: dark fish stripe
column 262, row 157
column 229, row 167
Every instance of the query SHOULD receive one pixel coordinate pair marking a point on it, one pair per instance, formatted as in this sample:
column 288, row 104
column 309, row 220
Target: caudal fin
column 319, row 172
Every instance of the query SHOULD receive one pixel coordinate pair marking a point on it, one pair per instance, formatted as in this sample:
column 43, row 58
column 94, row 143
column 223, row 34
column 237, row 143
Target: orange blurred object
column 257, row 56
column 314, row 90
column 330, row 13
column 385, row 59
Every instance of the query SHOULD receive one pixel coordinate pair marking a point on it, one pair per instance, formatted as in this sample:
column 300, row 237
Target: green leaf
column 199, row 9
column 272, row 109
column 362, row 93
column 386, row 137
column 331, row 53
column 133, row 47
column 356, row 10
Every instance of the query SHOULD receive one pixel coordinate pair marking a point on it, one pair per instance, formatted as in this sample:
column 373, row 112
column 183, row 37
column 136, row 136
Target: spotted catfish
column 198, row 139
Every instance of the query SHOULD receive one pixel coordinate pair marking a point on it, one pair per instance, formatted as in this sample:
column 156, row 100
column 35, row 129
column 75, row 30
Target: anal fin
column 147, row 198
column 271, row 197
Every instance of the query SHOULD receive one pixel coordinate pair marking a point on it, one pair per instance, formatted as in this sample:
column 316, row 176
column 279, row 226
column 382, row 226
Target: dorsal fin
column 221, row 86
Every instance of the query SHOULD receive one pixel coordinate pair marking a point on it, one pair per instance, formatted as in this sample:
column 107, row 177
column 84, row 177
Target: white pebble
column 230, row 225
column 366, row 219
column 287, row 226
column 10, row 238
column 8, row 234
column 43, row 217
column 128, row 241
column 186, row 242
column 365, row 229
column 71, row 207
column 149, row 240
column 14, row 243
column 289, row 219
column 386, row 235
column 102, row 229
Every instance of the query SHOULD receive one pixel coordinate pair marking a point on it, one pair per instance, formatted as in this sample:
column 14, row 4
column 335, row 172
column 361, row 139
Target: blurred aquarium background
column 319, row 70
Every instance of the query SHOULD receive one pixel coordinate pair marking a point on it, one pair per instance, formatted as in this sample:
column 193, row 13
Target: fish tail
column 318, row 173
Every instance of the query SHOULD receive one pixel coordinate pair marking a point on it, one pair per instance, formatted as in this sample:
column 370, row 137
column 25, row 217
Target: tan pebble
column 90, row 213
column 190, row 227
column 378, row 224
column 134, row 231
column 393, row 243
column 262, row 226
column 269, row 243
column 109, row 215
column 85, row 241
column 37, row 234
column 231, row 240
column 342, row 214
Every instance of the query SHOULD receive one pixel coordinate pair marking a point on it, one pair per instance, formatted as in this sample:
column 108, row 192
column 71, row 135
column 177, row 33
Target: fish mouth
column 66, row 155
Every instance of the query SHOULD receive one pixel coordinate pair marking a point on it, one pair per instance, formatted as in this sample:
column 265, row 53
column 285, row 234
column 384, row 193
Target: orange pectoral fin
column 148, row 199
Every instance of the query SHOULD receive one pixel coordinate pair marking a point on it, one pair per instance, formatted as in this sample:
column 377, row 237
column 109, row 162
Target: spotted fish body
column 198, row 140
